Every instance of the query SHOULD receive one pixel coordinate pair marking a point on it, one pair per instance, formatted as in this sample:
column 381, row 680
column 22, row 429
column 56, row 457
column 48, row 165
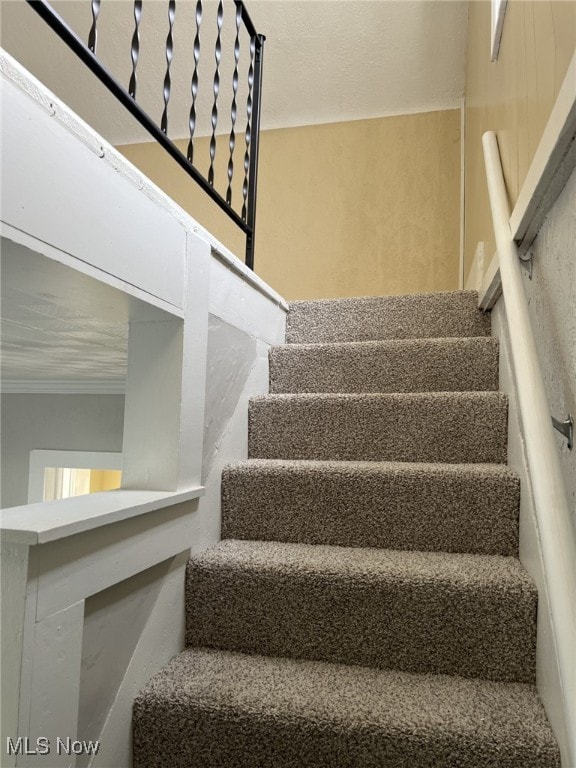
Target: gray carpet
column 421, row 316
column 405, row 365
column 366, row 608
column 213, row 709
column 436, row 507
column 455, row 427
column 457, row 614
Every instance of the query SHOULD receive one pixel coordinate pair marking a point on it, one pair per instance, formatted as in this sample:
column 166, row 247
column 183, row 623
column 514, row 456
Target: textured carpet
column 212, row 709
column 431, row 315
column 468, row 615
column 454, row 427
column 437, row 507
column 366, row 608
column 408, row 365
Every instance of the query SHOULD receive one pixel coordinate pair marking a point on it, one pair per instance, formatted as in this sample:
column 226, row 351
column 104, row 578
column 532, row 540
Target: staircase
column 366, row 607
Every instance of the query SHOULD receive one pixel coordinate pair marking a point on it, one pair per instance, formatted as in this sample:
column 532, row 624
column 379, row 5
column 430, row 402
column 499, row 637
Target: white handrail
column 557, row 535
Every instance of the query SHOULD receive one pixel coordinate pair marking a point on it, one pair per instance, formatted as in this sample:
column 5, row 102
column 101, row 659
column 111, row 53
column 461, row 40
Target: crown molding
column 62, row 387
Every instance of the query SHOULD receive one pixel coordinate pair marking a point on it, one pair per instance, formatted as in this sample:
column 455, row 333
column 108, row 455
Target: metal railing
column 244, row 214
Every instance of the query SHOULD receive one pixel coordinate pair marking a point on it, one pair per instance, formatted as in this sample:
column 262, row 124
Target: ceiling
column 325, row 60
column 59, row 329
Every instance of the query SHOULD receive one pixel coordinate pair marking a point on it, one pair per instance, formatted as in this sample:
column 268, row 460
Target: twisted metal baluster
column 169, row 54
column 216, row 89
column 233, row 109
column 194, row 87
column 135, row 46
column 92, row 37
column 248, row 126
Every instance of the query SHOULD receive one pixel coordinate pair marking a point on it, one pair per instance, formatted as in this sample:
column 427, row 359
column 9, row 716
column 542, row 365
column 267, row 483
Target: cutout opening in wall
column 63, row 474
column 498, row 13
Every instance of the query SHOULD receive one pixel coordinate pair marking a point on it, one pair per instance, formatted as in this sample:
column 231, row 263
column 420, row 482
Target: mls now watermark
column 45, row 746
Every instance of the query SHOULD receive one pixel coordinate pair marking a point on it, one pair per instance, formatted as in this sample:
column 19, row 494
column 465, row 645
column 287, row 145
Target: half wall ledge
column 52, row 520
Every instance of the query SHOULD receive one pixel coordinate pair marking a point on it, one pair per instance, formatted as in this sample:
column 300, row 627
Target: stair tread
column 307, row 397
column 314, row 466
column 337, row 715
column 398, row 298
column 370, row 345
column 460, row 569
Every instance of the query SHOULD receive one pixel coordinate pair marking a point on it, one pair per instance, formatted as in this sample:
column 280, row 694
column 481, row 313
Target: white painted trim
column 557, row 535
column 62, row 387
column 52, row 252
column 40, row 459
column 474, row 281
column 239, row 304
column 496, row 26
column 14, row 565
column 149, row 656
column 52, row 520
column 55, row 662
column 235, row 265
column 148, row 255
column 491, row 285
column 72, row 570
column 552, row 165
column 485, row 279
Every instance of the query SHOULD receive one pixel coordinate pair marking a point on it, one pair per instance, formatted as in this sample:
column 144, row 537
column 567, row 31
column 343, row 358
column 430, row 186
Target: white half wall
column 144, row 638
column 97, row 601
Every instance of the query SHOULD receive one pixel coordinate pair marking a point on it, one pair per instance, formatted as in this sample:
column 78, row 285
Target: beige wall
column 512, row 96
column 347, row 209
column 105, row 480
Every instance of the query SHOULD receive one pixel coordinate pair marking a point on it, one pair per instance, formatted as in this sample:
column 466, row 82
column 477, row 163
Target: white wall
column 128, row 631
column 552, row 305
column 96, row 585
column 551, row 295
column 59, row 422
column 547, row 672
column 137, row 625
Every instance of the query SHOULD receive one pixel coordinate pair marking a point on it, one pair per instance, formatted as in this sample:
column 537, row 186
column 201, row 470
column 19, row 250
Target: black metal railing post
column 254, row 151
column 246, row 219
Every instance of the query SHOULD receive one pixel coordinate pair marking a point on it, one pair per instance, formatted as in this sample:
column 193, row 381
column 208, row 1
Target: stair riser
column 438, row 315
column 469, row 365
column 453, row 428
column 389, row 510
column 412, row 626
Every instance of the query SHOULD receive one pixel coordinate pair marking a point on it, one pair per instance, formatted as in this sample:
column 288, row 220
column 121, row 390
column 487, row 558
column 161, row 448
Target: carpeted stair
column 366, row 607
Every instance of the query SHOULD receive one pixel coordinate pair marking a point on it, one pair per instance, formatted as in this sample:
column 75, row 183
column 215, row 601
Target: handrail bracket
column 526, row 263
column 565, row 428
